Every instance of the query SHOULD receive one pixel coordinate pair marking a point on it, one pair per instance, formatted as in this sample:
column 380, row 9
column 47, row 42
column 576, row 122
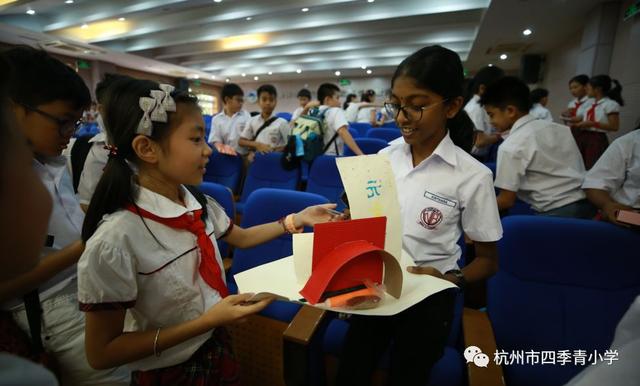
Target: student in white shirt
column 578, row 89
column 486, row 134
column 98, row 154
column 598, row 117
column 443, row 191
column 367, row 112
column 227, row 125
column 613, row 183
column 151, row 280
column 265, row 132
column 539, row 100
column 48, row 98
column 304, row 97
column 539, row 162
column 336, row 133
column 348, row 100
column 25, row 206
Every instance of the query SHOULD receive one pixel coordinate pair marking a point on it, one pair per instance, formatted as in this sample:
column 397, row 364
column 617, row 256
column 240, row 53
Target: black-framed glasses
column 411, row 113
column 65, row 126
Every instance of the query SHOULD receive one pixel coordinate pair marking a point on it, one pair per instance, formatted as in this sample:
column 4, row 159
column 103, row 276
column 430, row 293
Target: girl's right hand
column 232, row 309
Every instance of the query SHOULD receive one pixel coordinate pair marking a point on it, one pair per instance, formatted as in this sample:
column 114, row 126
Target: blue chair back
column 284, row 115
column 390, row 124
column 225, row 170
column 354, row 133
column 266, row 172
column 267, row 205
column 367, row 145
column 361, row 127
column 384, row 134
column 324, row 179
column 224, row 197
column 562, row 284
column 207, row 125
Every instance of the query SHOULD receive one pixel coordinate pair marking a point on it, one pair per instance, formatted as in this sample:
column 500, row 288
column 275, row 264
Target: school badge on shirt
column 430, row 217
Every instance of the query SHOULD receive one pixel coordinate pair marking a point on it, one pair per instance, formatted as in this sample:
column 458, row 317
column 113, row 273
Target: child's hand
column 609, row 212
column 316, row 214
column 425, row 271
column 263, row 148
column 226, row 149
column 232, row 309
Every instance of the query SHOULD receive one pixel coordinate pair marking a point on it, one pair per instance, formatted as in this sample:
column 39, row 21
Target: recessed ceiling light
column 305, row 9
column 190, row 90
column 490, row 64
column 255, row 78
column 337, row 73
column 270, row 72
column 69, row 2
column 369, row 71
column 243, row 74
column 217, row 1
column 84, row 26
column 226, row 80
column 503, row 57
column 31, row 12
column 298, row 70
column 370, row 1
column 196, row 77
column 249, row 18
column 527, row 32
column 213, row 76
column 363, row 67
column 121, row 19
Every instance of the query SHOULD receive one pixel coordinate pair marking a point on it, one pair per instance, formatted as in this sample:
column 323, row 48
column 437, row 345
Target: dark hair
column 123, row 114
column 304, row 93
column 507, row 91
column 269, row 89
column 103, row 86
column 348, row 100
column 38, row 78
column 327, row 90
column 367, row 95
column 439, row 70
column 603, row 82
column 582, row 79
column 230, row 90
column 537, row 94
column 485, row 76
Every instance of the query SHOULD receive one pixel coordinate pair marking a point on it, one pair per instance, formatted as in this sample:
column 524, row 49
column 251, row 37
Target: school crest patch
column 430, row 217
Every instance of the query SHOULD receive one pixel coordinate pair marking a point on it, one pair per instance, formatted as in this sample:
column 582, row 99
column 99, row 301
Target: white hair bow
column 145, row 126
column 167, row 101
column 155, row 108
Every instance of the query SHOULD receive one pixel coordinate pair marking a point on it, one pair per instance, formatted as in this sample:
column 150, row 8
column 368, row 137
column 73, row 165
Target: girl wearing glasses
column 445, row 192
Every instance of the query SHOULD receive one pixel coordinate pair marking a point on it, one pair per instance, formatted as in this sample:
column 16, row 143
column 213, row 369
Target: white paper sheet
column 371, row 188
column 302, row 256
column 279, row 277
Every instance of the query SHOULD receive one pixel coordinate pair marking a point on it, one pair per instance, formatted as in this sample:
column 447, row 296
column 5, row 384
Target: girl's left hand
column 316, row 214
column 426, row 271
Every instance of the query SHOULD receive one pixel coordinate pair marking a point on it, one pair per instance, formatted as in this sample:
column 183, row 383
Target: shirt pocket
column 439, row 212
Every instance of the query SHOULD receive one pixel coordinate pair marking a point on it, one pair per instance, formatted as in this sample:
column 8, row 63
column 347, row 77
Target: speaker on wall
column 531, row 68
column 182, row 84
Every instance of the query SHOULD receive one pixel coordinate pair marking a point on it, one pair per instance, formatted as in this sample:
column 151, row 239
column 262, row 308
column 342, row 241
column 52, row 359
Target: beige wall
column 287, row 90
column 562, row 64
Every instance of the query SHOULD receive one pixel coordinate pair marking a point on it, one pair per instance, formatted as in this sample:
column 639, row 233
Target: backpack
column 306, row 141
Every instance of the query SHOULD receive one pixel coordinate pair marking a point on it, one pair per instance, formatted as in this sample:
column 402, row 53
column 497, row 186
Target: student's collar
column 521, row 122
column 583, row 99
column 446, row 151
column 162, row 206
column 54, row 166
column 100, row 137
column 476, row 98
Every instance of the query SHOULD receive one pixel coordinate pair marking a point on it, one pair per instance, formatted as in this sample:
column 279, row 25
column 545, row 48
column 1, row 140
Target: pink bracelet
column 290, row 226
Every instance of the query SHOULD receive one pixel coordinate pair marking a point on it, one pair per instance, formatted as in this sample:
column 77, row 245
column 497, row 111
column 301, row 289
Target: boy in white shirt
column 336, row 133
column 485, row 133
column 227, row 125
column 614, row 181
column 304, row 97
column 539, row 162
column 265, row 132
column 539, row 99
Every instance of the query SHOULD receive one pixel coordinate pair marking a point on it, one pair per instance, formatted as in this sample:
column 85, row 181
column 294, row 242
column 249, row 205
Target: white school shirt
column 124, row 267
column 65, row 223
column 447, row 193
column 334, row 119
column 93, row 167
column 575, row 104
column 624, row 371
column 618, row 170
column 364, row 114
column 275, row 134
column 296, row 113
column 604, row 107
column 351, row 113
column 540, row 112
column 480, row 120
column 540, row 161
column 227, row 130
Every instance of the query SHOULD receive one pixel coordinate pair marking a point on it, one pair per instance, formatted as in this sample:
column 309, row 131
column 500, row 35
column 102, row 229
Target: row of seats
column 553, row 290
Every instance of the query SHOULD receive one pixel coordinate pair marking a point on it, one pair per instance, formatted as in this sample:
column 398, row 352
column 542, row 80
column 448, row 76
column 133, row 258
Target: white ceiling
column 334, row 35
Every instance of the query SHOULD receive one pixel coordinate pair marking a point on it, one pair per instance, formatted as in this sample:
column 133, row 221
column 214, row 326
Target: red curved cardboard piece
column 352, row 253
